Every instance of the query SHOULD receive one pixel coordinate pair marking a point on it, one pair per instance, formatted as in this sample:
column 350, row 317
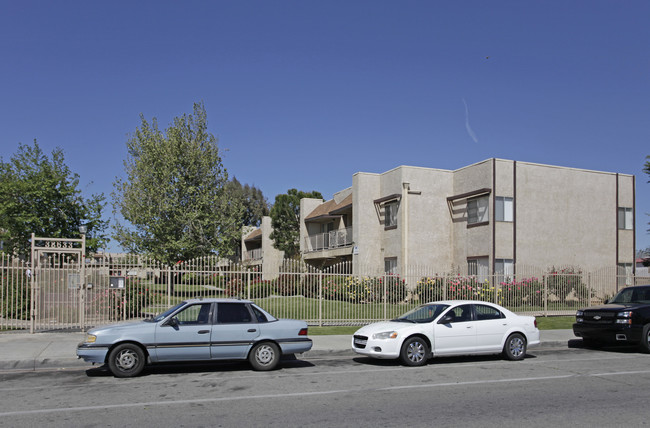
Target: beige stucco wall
column 565, row 216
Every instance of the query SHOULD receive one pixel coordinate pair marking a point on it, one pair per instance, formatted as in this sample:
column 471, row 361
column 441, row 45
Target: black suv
column 624, row 319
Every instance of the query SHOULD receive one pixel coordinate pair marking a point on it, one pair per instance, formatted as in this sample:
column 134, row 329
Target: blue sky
column 306, row 93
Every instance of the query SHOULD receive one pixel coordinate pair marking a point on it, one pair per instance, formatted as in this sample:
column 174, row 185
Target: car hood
column 379, row 327
column 613, row 307
column 123, row 326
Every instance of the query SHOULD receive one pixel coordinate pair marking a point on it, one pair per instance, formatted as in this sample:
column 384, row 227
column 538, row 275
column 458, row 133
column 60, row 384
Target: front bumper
column 611, row 333
column 376, row 348
column 92, row 353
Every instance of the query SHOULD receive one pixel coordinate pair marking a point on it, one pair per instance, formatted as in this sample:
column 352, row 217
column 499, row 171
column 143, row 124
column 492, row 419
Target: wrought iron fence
column 58, row 295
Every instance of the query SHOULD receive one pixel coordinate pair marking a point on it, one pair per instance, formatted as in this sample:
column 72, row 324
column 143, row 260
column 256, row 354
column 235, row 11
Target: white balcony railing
column 255, row 254
column 334, row 239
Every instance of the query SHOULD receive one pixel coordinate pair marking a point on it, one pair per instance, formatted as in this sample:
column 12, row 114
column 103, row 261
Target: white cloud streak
column 469, row 128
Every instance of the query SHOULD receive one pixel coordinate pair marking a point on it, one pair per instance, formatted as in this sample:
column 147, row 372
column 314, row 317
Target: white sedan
column 446, row 328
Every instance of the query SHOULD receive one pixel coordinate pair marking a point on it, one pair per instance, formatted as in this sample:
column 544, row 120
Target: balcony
column 330, row 240
column 255, row 254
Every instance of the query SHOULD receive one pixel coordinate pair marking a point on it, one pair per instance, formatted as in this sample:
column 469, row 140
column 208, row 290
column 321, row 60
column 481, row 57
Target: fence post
column 248, row 284
column 169, row 287
column 544, row 278
column 320, row 298
column 385, row 299
column 589, row 288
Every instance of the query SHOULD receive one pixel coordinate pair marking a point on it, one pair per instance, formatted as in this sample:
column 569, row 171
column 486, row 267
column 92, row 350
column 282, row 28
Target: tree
column 174, row 197
column 285, row 219
column 255, row 205
column 40, row 195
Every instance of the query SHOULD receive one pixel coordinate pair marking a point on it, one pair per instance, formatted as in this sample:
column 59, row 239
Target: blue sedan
column 197, row 330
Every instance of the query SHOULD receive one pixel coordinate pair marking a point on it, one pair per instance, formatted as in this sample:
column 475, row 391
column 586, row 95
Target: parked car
column 446, row 328
column 623, row 319
column 197, row 330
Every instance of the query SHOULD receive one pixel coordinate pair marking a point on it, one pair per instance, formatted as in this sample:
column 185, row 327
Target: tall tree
column 254, row 204
column 174, row 195
column 40, row 195
column 285, row 219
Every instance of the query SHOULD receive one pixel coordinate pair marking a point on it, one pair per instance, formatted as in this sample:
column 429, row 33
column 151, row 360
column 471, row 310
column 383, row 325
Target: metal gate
column 57, row 283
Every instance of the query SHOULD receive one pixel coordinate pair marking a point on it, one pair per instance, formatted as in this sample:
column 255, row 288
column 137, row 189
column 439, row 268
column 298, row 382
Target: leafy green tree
column 254, row 203
column 285, row 219
column 40, row 195
column 254, row 206
column 174, row 196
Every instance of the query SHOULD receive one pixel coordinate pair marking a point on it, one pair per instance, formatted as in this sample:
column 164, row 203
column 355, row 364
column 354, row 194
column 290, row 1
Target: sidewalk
column 24, row 351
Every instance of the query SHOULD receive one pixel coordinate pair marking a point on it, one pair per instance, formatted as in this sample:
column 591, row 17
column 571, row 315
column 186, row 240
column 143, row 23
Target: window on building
column 625, row 218
column 477, row 210
column 390, row 214
column 478, row 266
column 624, row 274
column 504, row 269
column 390, row 265
column 503, row 209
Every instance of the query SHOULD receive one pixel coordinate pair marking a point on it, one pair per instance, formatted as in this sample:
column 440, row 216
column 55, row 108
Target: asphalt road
column 557, row 387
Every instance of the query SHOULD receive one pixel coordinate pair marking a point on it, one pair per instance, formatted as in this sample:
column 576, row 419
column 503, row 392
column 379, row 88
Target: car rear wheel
column 126, row 360
column 515, row 347
column 414, row 352
column 645, row 339
column 264, row 356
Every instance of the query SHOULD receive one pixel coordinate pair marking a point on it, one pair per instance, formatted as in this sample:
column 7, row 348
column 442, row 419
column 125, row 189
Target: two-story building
column 485, row 218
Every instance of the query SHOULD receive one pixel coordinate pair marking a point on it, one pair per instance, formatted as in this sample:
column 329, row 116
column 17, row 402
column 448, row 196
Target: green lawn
column 543, row 323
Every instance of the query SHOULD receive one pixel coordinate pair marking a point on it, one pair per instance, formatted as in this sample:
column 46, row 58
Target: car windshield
column 632, row 295
column 165, row 314
column 423, row 314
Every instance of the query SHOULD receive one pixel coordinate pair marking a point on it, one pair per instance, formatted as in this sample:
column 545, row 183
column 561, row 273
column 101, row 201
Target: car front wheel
column 264, row 356
column 645, row 339
column 126, row 360
column 414, row 352
column 515, row 347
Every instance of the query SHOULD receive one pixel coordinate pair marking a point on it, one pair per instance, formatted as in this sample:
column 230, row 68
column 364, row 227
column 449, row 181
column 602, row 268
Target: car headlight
column 385, row 335
column 624, row 317
column 580, row 313
column 91, row 338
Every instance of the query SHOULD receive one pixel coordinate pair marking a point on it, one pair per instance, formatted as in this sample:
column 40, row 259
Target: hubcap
column 264, row 354
column 516, row 346
column 415, row 352
column 126, row 359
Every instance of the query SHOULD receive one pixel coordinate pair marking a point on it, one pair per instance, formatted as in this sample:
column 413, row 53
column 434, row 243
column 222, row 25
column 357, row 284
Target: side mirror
column 173, row 322
column 445, row 320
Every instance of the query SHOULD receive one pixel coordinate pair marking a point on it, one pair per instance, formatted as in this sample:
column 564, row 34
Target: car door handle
column 252, row 330
column 204, row 331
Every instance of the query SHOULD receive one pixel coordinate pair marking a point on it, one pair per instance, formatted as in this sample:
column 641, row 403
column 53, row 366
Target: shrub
column 15, row 295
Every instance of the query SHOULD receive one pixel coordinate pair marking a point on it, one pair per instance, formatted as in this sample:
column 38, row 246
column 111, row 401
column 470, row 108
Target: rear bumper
column 609, row 333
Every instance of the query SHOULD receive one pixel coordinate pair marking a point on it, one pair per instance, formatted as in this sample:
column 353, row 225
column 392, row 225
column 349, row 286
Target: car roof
column 217, row 300
column 459, row 302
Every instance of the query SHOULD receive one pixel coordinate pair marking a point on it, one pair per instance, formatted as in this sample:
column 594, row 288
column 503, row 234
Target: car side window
column 462, row 313
column 233, row 313
column 259, row 314
column 194, row 314
column 484, row 312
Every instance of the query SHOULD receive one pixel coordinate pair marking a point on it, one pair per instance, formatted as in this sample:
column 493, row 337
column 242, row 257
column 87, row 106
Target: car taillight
column 535, row 322
column 303, row 332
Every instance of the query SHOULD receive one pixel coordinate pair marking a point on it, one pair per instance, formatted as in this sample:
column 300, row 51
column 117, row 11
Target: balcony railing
column 255, row 254
column 326, row 241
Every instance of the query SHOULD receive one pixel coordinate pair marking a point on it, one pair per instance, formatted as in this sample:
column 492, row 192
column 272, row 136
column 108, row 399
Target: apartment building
column 485, row 217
